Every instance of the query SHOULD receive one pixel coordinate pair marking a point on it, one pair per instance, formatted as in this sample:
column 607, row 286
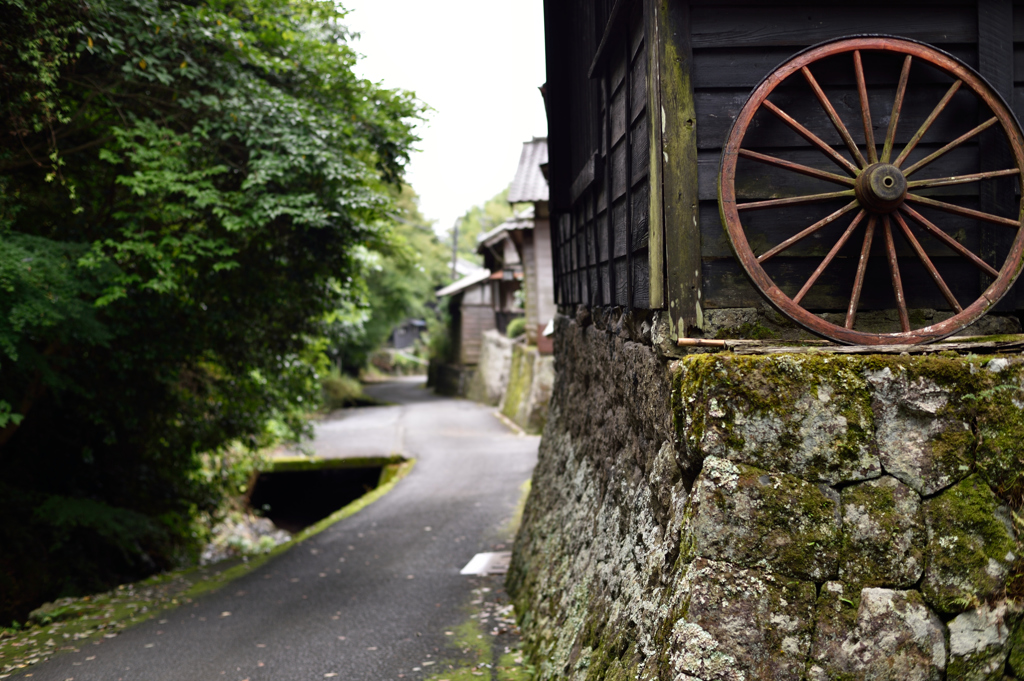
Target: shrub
column 516, row 327
column 341, row 391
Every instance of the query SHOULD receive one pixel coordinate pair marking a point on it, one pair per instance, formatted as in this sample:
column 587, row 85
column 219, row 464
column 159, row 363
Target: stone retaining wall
column 526, row 398
column 723, row 517
column 490, row 380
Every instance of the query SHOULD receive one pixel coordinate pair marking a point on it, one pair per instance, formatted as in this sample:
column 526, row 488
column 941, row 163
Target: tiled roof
column 521, row 220
column 530, row 184
column 462, row 284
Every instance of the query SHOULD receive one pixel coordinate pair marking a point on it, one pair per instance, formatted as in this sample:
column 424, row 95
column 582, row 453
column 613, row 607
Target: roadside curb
column 512, row 425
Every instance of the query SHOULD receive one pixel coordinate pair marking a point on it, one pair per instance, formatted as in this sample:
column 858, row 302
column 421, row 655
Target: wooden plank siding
column 476, row 319
column 601, row 212
column 667, row 84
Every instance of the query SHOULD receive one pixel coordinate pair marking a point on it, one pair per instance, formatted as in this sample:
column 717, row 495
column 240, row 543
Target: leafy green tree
column 480, row 220
column 191, row 200
column 399, row 283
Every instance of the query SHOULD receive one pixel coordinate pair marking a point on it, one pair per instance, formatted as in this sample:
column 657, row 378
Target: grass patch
column 281, row 464
column 487, row 644
column 512, row 526
column 341, row 391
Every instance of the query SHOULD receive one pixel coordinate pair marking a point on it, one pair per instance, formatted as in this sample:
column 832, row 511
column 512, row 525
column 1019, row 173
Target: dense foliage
column 480, row 220
column 399, row 284
column 191, row 193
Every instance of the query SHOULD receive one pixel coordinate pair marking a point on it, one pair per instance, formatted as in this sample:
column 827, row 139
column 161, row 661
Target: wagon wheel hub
column 881, row 188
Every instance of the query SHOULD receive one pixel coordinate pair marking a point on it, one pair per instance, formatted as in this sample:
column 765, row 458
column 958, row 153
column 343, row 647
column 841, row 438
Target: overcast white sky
column 478, row 64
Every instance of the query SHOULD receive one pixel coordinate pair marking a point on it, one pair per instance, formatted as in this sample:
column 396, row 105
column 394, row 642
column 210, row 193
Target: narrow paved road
column 368, row 598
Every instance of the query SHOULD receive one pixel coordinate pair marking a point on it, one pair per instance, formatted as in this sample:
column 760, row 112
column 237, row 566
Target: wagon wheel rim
column 880, row 190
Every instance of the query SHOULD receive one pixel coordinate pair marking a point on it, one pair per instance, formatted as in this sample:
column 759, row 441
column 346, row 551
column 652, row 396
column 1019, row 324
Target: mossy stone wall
column 528, row 394
column 792, row 516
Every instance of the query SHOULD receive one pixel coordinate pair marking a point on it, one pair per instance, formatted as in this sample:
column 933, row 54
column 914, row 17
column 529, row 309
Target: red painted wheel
column 884, row 195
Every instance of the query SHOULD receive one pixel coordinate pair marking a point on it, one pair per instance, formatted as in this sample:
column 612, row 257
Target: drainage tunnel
column 295, row 499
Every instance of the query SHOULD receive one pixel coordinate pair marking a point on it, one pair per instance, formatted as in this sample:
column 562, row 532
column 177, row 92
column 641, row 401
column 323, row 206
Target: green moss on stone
column 969, row 550
column 958, row 375
column 756, row 408
column 1000, row 422
column 883, row 534
column 1016, row 645
column 751, row 517
column 520, row 379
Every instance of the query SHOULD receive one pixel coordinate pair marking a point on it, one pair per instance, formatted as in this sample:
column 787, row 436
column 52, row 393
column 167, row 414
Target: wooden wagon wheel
column 881, row 196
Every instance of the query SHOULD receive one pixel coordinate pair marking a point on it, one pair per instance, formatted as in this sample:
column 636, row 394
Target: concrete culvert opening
column 296, row 496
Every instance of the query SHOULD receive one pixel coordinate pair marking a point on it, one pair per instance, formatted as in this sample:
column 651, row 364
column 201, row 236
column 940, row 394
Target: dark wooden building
column 642, row 95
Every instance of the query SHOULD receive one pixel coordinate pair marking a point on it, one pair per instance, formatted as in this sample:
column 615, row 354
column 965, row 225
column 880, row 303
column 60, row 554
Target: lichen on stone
column 875, row 634
column 752, row 517
column 741, row 624
column 1000, row 423
column 923, row 439
column 805, row 415
column 883, row 534
column 970, row 549
column 978, row 643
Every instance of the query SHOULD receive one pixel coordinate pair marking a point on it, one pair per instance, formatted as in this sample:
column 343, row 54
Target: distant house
column 407, row 333
column 500, row 250
column 532, row 237
column 471, row 309
column 517, row 260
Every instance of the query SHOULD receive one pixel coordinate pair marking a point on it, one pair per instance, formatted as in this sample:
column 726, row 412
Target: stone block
column 752, row 517
column 970, row 546
column 923, row 437
column 883, row 534
column 809, row 415
column 979, row 643
column 531, row 377
column 875, row 634
column 741, row 624
column 1000, row 422
column 491, row 378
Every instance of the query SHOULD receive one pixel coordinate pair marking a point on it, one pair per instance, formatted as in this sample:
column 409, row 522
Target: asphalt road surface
column 370, row 597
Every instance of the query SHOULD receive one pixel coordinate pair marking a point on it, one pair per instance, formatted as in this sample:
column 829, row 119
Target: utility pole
column 455, row 247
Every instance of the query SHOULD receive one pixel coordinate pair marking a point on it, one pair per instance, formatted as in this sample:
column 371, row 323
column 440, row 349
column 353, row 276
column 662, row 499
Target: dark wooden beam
column 628, row 87
column 607, row 37
column 585, row 178
column 656, row 231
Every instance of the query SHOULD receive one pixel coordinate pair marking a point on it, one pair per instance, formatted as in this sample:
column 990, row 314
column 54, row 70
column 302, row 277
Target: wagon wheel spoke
column 894, row 271
column 862, row 265
column 827, row 260
column 950, row 241
column 833, row 116
column 961, row 179
column 795, row 200
column 882, row 196
column 963, row 212
column 927, row 123
column 897, row 106
column 799, row 129
column 796, row 167
column 865, row 109
column 952, row 145
column 807, row 232
column 927, row 262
